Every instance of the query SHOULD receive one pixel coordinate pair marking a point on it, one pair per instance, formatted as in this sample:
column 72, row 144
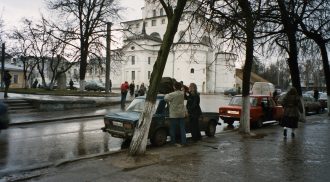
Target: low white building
column 194, row 56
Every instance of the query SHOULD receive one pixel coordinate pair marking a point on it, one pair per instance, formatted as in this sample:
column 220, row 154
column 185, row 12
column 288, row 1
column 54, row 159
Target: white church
column 194, row 56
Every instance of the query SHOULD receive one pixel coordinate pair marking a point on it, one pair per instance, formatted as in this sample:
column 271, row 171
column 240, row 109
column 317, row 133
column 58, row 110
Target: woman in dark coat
column 194, row 111
column 292, row 110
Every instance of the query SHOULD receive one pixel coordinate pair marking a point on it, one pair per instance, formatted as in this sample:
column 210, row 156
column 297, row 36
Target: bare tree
column 85, row 21
column 2, row 33
column 174, row 13
column 237, row 20
column 21, row 50
column 315, row 24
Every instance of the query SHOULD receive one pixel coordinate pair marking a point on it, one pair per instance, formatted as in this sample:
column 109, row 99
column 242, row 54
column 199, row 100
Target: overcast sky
column 12, row 11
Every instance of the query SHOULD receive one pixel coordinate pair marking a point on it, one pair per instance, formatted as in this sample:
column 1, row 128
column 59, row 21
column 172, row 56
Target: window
column 154, row 13
column 149, row 60
column 163, row 21
column 192, row 70
column 161, row 12
column 133, row 75
column 149, row 74
column 153, row 22
column 16, row 79
column 133, row 60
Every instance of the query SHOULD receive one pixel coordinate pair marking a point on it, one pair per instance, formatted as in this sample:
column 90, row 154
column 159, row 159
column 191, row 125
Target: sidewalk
column 230, row 156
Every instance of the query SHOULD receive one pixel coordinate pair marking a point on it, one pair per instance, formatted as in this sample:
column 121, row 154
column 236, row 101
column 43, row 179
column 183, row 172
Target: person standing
column 177, row 113
column 110, row 85
column 124, row 89
column 131, row 88
column 35, row 84
column 71, row 84
column 7, row 80
column 292, row 110
column 194, row 111
column 142, row 90
column 316, row 94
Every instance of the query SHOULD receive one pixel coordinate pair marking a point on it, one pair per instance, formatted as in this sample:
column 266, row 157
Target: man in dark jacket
column 7, row 81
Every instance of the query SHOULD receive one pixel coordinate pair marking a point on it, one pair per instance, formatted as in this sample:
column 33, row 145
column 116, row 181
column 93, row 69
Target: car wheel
column 259, row 123
column 210, row 130
column 318, row 110
column 159, row 137
column 229, row 122
column 126, row 143
column 306, row 111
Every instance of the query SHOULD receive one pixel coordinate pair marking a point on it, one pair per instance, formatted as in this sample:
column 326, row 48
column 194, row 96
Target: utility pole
column 108, row 54
column 3, row 65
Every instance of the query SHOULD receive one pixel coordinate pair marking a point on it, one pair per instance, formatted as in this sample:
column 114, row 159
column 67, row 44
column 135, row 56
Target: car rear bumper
column 229, row 118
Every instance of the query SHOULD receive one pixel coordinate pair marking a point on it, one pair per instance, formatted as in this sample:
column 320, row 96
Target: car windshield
column 137, row 105
column 237, row 101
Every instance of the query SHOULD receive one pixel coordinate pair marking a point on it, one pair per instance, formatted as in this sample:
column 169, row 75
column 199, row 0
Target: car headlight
column 128, row 125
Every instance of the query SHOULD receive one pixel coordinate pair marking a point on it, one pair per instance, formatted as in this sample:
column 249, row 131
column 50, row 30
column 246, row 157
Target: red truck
column 262, row 108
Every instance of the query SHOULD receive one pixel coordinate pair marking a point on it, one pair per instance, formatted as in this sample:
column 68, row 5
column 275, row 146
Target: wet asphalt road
column 39, row 145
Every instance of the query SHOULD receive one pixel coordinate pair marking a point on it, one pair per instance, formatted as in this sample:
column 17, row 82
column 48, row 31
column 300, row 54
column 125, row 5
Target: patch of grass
column 41, row 91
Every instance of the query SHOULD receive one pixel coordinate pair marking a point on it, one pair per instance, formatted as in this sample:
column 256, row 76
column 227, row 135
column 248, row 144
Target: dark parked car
column 231, row 91
column 310, row 104
column 122, row 125
column 4, row 117
column 323, row 100
column 94, row 86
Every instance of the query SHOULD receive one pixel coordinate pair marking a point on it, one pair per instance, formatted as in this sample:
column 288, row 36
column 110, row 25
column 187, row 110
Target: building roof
column 143, row 37
column 254, row 76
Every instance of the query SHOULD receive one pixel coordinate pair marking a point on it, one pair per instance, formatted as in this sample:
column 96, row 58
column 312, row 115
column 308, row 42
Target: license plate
column 116, row 123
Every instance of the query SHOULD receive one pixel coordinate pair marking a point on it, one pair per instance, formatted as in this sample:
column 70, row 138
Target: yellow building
column 17, row 79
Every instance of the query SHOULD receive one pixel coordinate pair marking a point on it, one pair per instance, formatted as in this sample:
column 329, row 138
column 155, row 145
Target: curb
column 55, row 119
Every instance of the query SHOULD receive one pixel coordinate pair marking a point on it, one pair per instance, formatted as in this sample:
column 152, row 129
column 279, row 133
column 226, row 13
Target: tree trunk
column 139, row 141
column 249, row 31
column 83, row 66
column 290, row 29
column 326, row 68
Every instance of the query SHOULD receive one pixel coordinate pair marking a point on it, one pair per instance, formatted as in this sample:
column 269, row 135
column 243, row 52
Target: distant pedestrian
column 177, row 113
column 124, row 89
column 71, row 84
column 35, row 83
column 275, row 95
column 194, row 111
column 292, row 110
column 142, row 90
column 110, row 85
column 131, row 88
column 316, row 94
column 7, row 80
